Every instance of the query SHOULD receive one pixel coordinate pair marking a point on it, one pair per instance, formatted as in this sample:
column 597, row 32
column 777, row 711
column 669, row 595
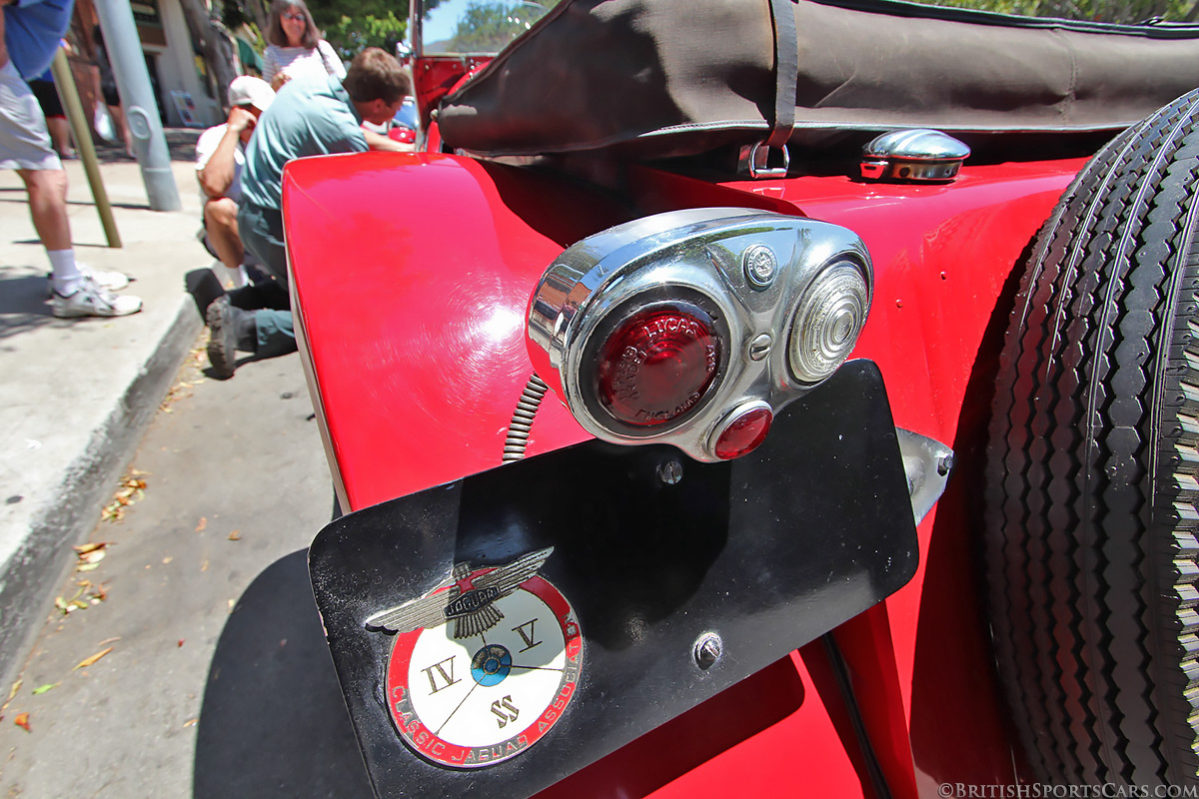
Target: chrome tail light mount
column 672, row 327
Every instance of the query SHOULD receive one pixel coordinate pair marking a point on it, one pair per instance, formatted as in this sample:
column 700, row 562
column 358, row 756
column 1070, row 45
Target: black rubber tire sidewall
column 1090, row 553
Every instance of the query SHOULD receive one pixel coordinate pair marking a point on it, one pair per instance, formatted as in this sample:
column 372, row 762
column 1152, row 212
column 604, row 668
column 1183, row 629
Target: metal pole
column 137, row 97
column 64, row 81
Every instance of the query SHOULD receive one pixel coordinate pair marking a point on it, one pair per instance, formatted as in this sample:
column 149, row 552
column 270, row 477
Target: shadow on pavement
column 23, row 304
column 181, row 144
column 273, row 723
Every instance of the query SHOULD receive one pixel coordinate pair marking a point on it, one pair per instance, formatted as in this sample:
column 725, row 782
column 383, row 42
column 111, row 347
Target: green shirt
column 307, row 117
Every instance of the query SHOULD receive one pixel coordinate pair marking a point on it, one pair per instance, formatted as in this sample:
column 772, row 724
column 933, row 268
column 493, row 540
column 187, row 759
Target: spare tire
column 1092, row 512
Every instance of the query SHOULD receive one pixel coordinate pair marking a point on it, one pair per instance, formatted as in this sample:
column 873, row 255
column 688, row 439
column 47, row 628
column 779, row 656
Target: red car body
column 412, row 277
column 398, row 422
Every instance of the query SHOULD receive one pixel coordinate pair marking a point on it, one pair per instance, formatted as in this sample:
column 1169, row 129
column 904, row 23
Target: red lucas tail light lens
column 657, row 365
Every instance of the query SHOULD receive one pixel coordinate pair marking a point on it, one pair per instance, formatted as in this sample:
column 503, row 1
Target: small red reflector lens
column 657, row 365
column 744, row 434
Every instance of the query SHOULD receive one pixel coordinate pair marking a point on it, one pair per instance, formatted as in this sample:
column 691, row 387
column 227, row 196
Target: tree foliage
column 352, row 25
column 348, row 25
column 488, row 25
column 1126, row 11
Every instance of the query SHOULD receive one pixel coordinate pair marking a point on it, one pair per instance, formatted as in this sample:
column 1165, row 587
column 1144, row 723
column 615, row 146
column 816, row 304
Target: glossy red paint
column 435, row 76
column 416, row 346
column 402, row 134
column 400, row 420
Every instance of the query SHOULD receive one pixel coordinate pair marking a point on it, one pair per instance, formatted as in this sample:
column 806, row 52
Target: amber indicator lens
column 743, row 434
column 657, row 365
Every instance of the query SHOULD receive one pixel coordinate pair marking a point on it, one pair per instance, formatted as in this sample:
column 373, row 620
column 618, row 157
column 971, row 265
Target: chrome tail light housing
column 696, row 327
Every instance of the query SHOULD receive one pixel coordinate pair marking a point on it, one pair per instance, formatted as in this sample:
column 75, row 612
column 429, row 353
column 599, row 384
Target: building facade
column 178, row 73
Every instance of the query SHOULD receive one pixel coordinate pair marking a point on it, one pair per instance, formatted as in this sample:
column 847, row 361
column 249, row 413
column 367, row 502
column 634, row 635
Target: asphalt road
column 212, row 678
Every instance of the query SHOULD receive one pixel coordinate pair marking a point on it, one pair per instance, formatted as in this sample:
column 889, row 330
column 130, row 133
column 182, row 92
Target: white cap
column 248, row 90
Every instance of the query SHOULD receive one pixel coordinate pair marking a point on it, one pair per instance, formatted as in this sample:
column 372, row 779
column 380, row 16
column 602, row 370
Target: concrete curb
column 68, row 516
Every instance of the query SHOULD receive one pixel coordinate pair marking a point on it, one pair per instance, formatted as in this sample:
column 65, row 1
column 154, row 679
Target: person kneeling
column 220, row 156
column 311, row 116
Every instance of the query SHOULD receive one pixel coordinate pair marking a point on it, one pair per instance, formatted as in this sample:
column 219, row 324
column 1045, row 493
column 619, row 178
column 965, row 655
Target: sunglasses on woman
column 293, row 17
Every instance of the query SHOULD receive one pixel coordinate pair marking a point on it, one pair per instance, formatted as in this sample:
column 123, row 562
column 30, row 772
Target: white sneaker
column 90, row 299
column 109, row 281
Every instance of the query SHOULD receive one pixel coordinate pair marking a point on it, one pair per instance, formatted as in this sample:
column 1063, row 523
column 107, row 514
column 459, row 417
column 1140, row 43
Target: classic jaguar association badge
column 483, row 666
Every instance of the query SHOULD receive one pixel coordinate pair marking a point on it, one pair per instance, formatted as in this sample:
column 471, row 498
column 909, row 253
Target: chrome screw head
column 759, row 348
column 707, row 650
column 760, row 265
column 670, row 471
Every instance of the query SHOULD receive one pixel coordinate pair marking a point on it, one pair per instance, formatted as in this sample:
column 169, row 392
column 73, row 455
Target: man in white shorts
column 29, row 35
column 220, row 155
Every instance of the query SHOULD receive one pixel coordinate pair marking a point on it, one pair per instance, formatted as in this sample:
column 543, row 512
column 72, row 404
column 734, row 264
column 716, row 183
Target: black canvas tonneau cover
column 678, row 77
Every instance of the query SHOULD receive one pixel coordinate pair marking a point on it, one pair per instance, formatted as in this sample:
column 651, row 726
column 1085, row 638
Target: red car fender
column 415, row 345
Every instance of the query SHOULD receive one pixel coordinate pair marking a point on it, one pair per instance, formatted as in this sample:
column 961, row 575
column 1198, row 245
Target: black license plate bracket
column 769, row 552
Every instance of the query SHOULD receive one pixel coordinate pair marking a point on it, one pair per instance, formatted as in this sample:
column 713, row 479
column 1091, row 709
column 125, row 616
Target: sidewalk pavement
column 76, row 394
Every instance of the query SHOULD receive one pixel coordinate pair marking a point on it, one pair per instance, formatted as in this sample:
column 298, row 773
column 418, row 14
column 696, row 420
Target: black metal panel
column 770, row 551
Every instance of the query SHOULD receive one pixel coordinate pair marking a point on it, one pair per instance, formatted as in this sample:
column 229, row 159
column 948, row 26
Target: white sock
column 238, row 276
column 64, row 272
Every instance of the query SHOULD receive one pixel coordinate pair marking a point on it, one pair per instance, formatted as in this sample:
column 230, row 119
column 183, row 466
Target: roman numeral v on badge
column 525, row 631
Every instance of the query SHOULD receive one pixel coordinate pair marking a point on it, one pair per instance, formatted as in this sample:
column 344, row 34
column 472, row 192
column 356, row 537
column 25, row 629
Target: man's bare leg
column 123, row 133
column 220, row 221
column 48, row 206
column 60, row 136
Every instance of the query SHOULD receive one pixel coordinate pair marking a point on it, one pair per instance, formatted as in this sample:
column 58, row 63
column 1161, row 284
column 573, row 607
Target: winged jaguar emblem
column 468, row 602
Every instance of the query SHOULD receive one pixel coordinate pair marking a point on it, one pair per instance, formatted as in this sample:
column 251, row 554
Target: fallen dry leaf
column 86, row 548
column 174, row 394
column 200, row 525
column 235, row 535
column 83, row 664
column 41, row 689
column 190, row 722
column 180, row 642
column 94, row 556
column 86, row 595
column 97, row 594
column 22, row 721
column 11, row 693
column 204, row 565
column 132, row 488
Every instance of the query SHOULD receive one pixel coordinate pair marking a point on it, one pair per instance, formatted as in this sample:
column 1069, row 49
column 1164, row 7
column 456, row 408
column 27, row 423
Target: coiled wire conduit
column 522, row 419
